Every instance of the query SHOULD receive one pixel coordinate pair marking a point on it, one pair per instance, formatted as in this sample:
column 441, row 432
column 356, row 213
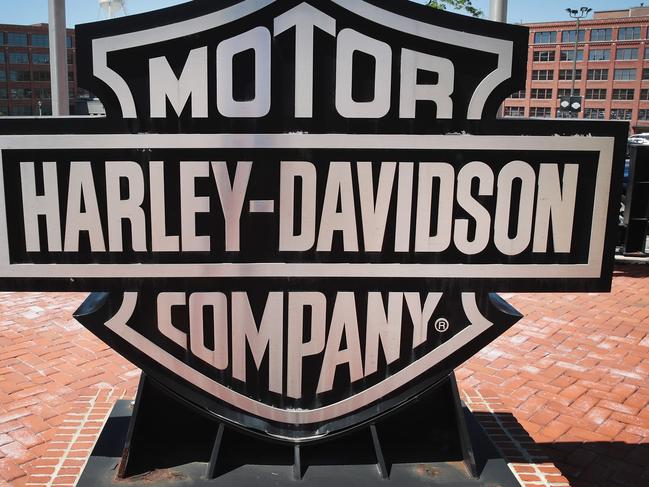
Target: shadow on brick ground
column 584, row 464
column 632, row 270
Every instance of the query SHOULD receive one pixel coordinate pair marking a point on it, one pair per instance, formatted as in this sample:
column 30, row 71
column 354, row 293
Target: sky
column 80, row 11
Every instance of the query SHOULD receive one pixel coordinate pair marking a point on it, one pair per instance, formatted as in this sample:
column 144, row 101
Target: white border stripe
column 592, row 269
column 503, row 48
column 101, row 47
column 118, row 325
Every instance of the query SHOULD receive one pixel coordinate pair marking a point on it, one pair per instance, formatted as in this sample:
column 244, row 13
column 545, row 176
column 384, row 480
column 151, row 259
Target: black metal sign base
column 158, row 439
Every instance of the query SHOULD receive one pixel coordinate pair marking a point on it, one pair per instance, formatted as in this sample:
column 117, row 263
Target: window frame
column 547, row 110
column 623, row 94
column 603, row 74
column 634, row 29
column 551, row 55
column 15, row 54
column 644, row 111
column 552, row 34
column 567, row 75
column 36, row 55
column 565, row 55
column 607, row 57
column 608, row 34
column 625, row 50
column 624, row 110
column 617, row 71
column 46, row 37
column 14, row 35
column 518, row 95
column 599, row 111
column 602, row 93
column 549, row 73
column 520, row 112
column 572, row 35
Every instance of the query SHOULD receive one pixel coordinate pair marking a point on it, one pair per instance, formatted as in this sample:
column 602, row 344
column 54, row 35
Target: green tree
column 457, row 5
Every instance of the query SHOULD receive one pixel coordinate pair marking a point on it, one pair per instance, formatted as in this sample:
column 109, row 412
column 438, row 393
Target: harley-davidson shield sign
column 306, row 203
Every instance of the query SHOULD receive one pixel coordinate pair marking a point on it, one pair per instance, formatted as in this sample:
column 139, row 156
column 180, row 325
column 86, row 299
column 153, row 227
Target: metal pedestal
column 161, row 440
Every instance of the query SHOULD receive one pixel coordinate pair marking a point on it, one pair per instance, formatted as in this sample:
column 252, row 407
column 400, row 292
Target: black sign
column 570, row 104
column 308, row 203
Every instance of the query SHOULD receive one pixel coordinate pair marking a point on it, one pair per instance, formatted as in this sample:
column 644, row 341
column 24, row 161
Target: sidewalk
column 564, row 393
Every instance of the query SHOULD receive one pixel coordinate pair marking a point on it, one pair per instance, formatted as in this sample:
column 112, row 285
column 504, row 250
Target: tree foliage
column 465, row 5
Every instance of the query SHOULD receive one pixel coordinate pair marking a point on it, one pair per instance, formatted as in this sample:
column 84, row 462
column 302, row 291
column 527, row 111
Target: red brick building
column 25, row 70
column 612, row 68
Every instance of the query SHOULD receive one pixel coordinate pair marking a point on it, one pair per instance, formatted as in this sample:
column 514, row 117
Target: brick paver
column 564, row 393
column 573, row 374
column 48, row 363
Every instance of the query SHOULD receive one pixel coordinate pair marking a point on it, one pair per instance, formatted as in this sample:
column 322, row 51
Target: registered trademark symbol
column 441, row 325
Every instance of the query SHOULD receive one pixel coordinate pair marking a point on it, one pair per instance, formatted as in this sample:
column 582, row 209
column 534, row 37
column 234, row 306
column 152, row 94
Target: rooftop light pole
column 58, row 58
column 498, row 13
column 498, row 10
column 582, row 13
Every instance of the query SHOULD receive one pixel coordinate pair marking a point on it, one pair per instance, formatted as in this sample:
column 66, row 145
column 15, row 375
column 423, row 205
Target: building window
column 3, row 93
column 18, row 58
column 21, row 111
column 624, row 74
column 543, row 56
column 2, row 38
column 21, row 93
column 41, row 76
column 86, row 95
column 4, row 111
column 596, row 94
column 598, row 74
column 518, row 94
column 623, row 94
column 70, row 57
column 626, row 54
column 542, row 74
column 570, row 35
column 540, row 112
column 566, row 113
column 16, row 39
column 46, row 109
column 39, row 58
column 549, row 37
column 644, row 95
column 71, row 76
column 600, row 35
column 643, row 114
column 542, row 93
column 628, row 33
column 514, row 112
column 566, row 74
column 561, row 92
column 596, row 113
column 69, row 42
column 19, row 75
column 43, row 93
column 646, row 52
column 645, row 74
column 2, row 58
column 569, row 55
column 40, row 40
column 599, row 55
column 621, row 114
column 3, row 75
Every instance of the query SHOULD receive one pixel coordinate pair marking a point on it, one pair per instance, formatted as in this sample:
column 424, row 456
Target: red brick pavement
column 567, row 386
column 47, row 363
column 574, row 375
